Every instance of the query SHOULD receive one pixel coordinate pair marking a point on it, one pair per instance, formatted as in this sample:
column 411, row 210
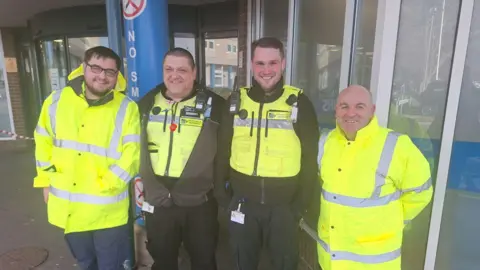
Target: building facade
column 419, row 59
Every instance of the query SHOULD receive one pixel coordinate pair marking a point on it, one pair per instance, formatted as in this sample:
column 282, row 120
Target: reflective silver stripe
column 421, row 188
column 368, row 259
column 360, row 202
column 406, row 222
column 89, row 148
column 86, row 198
column 42, row 164
column 52, row 111
column 238, row 122
column 277, row 124
column 117, row 134
column 40, row 130
column 321, row 146
column 350, row 256
column 361, row 258
column 121, row 173
column 384, row 162
column 131, row 138
column 274, row 123
column 161, row 118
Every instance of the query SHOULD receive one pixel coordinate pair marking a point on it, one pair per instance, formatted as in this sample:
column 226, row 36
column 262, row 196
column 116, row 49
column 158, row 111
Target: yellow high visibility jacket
column 87, row 155
column 264, row 142
column 372, row 186
column 172, row 129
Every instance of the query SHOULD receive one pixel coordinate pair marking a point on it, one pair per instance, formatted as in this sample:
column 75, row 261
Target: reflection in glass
column 318, row 54
column 363, row 46
column 5, row 122
column 419, row 92
column 54, row 71
column 275, row 20
column 78, row 46
column 459, row 241
column 221, row 60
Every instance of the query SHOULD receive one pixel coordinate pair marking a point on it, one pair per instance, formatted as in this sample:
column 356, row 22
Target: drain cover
column 23, row 258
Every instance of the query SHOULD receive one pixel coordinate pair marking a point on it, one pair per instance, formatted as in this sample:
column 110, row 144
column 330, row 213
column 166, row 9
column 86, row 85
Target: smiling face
column 100, row 75
column 268, row 66
column 354, row 110
column 179, row 75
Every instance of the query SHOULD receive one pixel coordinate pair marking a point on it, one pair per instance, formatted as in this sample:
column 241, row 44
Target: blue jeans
column 106, row 249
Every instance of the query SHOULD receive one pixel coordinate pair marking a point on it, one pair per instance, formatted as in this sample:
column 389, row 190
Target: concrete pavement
column 23, row 221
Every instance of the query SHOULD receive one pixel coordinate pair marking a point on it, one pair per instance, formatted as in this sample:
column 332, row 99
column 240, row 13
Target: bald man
column 374, row 182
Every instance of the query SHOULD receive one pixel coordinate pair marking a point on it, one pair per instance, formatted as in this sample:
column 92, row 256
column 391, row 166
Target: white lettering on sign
column 131, row 35
column 135, row 92
column 133, row 75
column 132, row 52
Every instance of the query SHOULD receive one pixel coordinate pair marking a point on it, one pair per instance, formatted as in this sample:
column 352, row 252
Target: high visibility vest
column 87, row 156
column 264, row 142
column 366, row 185
column 172, row 130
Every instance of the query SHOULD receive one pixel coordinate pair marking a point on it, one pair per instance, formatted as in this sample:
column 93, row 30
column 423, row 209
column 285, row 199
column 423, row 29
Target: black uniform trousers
column 196, row 227
column 273, row 226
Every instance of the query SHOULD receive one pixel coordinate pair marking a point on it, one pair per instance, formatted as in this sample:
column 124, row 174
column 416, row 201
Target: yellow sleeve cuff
column 41, row 182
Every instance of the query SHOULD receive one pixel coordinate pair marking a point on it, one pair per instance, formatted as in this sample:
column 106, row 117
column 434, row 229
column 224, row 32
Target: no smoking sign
column 133, row 8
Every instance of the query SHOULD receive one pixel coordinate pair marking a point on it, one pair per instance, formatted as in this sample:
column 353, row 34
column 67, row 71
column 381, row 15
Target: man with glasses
column 87, row 151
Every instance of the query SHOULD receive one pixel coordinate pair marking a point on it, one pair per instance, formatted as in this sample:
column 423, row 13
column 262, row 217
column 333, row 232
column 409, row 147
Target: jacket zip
column 259, row 128
column 170, row 146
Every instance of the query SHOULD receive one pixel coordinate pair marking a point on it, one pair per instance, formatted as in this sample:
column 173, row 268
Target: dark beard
column 97, row 93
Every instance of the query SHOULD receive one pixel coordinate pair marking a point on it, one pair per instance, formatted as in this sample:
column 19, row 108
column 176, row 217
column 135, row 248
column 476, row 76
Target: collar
column 193, row 92
column 363, row 134
column 78, row 86
column 257, row 94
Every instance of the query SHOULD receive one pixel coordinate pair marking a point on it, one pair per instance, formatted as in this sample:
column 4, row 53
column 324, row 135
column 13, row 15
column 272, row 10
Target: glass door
column 459, row 239
column 53, row 69
column 60, row 56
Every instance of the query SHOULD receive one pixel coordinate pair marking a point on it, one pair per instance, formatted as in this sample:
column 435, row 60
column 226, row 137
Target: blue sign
column 147, row 40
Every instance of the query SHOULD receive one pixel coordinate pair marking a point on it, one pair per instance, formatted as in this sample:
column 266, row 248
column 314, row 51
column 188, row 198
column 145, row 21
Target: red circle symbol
column 133, row 8
column 139, row 192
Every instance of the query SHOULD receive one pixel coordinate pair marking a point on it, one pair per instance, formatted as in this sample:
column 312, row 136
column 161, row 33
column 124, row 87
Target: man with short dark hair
column 268, row 148
column 87, row 151
column 180, row 121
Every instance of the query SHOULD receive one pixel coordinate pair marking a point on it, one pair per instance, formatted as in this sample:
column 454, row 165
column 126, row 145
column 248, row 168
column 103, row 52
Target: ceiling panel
column 15, row 13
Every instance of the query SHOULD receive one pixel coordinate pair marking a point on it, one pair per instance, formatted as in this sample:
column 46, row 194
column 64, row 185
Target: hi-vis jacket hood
column 79, row 72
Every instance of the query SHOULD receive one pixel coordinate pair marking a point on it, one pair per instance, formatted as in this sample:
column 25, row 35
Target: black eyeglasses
column 98, row 69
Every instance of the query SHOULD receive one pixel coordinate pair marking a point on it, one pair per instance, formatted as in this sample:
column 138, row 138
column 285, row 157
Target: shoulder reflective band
column 87, row 198
column 52, row 111
column 380, row 178
column 111, row 151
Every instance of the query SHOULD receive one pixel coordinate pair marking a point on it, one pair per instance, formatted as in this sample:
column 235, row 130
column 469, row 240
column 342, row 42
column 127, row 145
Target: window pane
column 459, row 241
column 422, row 68
column 186, row 41
column 78, row 46
column 275, row 19
column 221, row 65
column 318, row 54
column 5, row 123
column 364, row 39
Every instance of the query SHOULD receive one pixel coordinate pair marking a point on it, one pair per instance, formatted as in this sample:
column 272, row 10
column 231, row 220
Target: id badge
column 146, row 207
column 237, row 216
